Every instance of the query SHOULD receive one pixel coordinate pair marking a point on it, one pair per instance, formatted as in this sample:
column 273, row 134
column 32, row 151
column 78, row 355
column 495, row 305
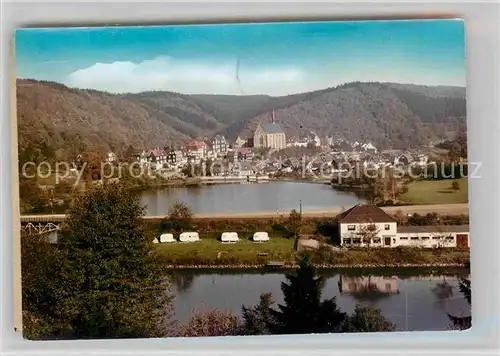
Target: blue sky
column 274, row 59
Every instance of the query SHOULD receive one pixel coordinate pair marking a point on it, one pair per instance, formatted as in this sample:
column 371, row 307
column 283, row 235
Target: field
column 436, row 192
column 211, row 251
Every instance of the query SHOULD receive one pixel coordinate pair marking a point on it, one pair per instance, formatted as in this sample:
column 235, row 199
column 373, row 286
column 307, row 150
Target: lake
column 412, row 303
column 249, row 198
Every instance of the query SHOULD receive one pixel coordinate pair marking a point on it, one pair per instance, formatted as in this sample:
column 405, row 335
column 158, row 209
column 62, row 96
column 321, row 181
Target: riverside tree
column 210, row 323
column 179, row 218
column 367, row 319
column 43, row 266
column 303, row 310
column 258, row 320
column 112, row 285
column 462, row 322
column 294, row 223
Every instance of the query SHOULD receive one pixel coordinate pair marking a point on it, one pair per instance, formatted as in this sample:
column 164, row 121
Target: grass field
column 211, row 251
column 436, row 192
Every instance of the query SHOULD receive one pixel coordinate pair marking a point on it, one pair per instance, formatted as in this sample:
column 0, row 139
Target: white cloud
column 165, row 73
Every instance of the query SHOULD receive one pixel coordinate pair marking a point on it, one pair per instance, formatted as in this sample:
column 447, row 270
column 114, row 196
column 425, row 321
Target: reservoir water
column 249, row 198
column 412, row 303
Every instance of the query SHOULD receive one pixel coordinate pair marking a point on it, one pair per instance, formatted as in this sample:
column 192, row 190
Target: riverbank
column 319, row 266
column 211, row 253
column 440, row 209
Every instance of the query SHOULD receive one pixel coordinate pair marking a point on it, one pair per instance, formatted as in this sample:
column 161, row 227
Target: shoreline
column 453, row 209
column 319, row 266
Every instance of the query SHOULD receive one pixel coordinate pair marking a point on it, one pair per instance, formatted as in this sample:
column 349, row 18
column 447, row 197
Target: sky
column 270, row 58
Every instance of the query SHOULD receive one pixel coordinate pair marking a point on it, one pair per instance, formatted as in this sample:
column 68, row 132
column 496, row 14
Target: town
column 269, row 153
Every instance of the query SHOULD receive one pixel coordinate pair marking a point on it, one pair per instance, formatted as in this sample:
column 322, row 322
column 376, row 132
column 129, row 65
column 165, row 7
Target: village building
column 197, row 149
column 155, row 157
column 111, row 158
column 219, row 145
column 240, row 142
column 369, row 225
column 269, row 135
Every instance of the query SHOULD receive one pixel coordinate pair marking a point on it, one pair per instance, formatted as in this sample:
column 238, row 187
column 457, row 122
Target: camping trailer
column 167, row 238
column 229, row 237
column 260, row 236
column 189, row 237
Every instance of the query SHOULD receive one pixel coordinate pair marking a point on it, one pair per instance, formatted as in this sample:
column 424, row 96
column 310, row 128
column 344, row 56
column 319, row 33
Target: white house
column 197, row 149
column 361, row 221
column 364, row 223
column 434, row 236
column 111, row 157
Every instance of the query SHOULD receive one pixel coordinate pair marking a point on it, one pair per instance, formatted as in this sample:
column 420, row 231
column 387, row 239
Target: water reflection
column 182, row 282
column 443, row 292
column 408, row 299
column 368, row 288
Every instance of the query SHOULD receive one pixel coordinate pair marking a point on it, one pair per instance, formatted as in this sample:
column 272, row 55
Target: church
column 270, row 135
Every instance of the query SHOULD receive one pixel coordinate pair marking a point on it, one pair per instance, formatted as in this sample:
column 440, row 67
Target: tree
column 128, row 155
column 211, row 323
column 179, row 218
column 258, row 319
column 294, row 223
column 32, row 198
column 92, row 164
column 463, row 322
column 367, row 319
column 42, row 266
column 367, row 233
column 303, row 311
column 113, row 286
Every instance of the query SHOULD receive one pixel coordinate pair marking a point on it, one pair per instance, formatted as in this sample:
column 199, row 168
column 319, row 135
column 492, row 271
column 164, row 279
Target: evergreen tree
column 463, row 322
column 115, row 287
column 303, row 311
column 258, row 319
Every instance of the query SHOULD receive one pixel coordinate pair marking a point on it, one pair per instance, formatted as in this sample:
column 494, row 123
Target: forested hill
column 390, row 115
column 57, row 121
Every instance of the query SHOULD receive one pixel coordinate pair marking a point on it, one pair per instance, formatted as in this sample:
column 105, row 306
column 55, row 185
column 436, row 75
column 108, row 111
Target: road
column 441, row 209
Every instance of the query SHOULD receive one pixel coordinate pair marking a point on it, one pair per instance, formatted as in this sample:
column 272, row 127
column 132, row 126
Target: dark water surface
column 412, row 303
column 249, row 198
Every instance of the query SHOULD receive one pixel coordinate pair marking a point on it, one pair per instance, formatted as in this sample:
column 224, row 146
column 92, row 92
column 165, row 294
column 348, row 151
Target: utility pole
column 300, row 207
column 406, row 304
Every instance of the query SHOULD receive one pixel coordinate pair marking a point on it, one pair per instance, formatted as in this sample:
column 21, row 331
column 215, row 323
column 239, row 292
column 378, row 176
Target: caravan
column 189, row 237
column 260, row 237
column 229, row 237
column 167, row 238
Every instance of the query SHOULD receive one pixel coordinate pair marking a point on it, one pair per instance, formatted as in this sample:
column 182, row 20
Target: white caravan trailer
column 229, row 237
column 167, row 238
column 189, row 237
column 260, row 236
